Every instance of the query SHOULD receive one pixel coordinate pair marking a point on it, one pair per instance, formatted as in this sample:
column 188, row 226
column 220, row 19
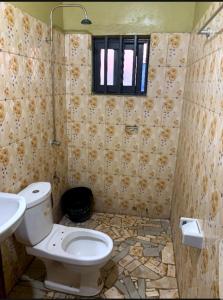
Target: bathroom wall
column 26, row 155
column 131, row 174
column 132, row 17
column 41, row 11
column 198, row 178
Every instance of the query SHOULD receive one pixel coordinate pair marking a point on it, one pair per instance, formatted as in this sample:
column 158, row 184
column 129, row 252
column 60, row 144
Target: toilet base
column 71, row 279
column 87, row 291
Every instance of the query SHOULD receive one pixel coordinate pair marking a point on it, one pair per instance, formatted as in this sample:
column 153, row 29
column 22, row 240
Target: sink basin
column 12, row 209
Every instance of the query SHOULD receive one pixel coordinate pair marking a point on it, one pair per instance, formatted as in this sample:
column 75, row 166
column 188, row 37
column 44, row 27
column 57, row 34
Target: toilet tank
column 38, row 220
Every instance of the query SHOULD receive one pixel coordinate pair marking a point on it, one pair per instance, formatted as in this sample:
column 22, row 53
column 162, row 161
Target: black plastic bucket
column 77, row 203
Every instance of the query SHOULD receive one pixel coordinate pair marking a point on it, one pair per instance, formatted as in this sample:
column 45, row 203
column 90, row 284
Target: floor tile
column 113, row 293
column 163, row 283
column 131, row 288
column 169, row 294
column 122, row 289
column 141, row 288
column 126, row 260
column 142, row 263
column 144, row 272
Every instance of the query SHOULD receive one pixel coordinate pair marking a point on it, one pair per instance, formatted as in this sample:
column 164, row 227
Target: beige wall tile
column 26, row 117
column 198, row 186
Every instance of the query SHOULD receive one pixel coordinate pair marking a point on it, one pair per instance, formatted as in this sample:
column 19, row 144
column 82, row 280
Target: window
column 120, row 64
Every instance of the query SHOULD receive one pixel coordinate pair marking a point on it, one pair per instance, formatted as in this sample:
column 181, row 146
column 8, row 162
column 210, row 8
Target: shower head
column 86, row 21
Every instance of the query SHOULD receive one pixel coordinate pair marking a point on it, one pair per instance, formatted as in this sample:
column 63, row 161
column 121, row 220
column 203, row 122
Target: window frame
column 118, row 42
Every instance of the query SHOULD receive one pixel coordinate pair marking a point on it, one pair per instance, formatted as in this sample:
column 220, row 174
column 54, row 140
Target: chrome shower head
column 86, row 21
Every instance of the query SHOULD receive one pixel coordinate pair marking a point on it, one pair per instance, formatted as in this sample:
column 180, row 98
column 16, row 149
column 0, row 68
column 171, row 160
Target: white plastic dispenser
column 192, row 235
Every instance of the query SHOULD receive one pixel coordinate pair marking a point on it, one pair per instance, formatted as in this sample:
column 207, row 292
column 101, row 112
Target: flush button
column 35, row 191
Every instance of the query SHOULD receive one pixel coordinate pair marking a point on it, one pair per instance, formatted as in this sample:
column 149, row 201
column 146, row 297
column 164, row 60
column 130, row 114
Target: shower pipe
column 85, row 21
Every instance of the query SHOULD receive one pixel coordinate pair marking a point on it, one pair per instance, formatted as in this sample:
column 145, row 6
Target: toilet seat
column 79, row 246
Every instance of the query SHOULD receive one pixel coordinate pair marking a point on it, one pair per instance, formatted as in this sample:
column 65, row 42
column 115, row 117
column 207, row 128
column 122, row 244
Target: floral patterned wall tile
column 112, row 162
column 78, row 83
column 79, row 49
column 9, row 16
column 197, row 189
column 77, row 133
column 130, row 141
column 76, row 107
column 137, row 168
column 156, row 78
column 26, row 154
column 96, row 133
column 175, row 77
column 149, row 139
column 129, row 163
column 2, row 74
column 177, row 49
column 168, row 140
column 147, row 166
column 96, row 161
column 132, row 110
column 171, row 112
column 96, row 109
column 114, row 107
column 78, row 158
column 113, row 136
column 158, row 49
column 151, row 111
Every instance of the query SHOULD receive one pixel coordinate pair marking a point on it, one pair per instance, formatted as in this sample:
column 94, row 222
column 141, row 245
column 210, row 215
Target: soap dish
column 192, row 234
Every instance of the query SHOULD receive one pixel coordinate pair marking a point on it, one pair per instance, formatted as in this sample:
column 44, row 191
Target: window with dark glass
column 120, row 64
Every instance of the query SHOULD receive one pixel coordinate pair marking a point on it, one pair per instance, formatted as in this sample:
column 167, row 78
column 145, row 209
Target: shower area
column 143, row 182
column 84, row 21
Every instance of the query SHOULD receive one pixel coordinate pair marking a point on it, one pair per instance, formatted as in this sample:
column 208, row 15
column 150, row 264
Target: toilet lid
column 36, row 193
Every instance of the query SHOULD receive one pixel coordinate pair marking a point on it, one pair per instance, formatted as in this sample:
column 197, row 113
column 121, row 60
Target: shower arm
column 62, row 6
column 54, row 140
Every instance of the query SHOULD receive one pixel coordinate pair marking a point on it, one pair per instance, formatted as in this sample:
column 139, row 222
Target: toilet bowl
column 72, row 256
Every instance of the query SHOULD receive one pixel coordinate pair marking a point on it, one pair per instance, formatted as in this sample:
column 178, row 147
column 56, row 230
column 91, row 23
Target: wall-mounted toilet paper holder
column 192, row 234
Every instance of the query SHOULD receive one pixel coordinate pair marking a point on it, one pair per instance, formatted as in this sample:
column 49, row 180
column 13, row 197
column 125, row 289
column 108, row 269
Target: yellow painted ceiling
column 121, row 17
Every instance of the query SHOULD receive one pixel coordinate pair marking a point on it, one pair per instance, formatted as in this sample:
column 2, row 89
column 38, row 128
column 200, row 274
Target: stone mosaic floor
column 142, row 263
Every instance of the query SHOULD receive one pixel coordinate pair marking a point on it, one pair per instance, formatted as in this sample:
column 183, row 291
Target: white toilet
column 73, row 256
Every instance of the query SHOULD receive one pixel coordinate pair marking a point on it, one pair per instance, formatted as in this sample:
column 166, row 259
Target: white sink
column 12, row 209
